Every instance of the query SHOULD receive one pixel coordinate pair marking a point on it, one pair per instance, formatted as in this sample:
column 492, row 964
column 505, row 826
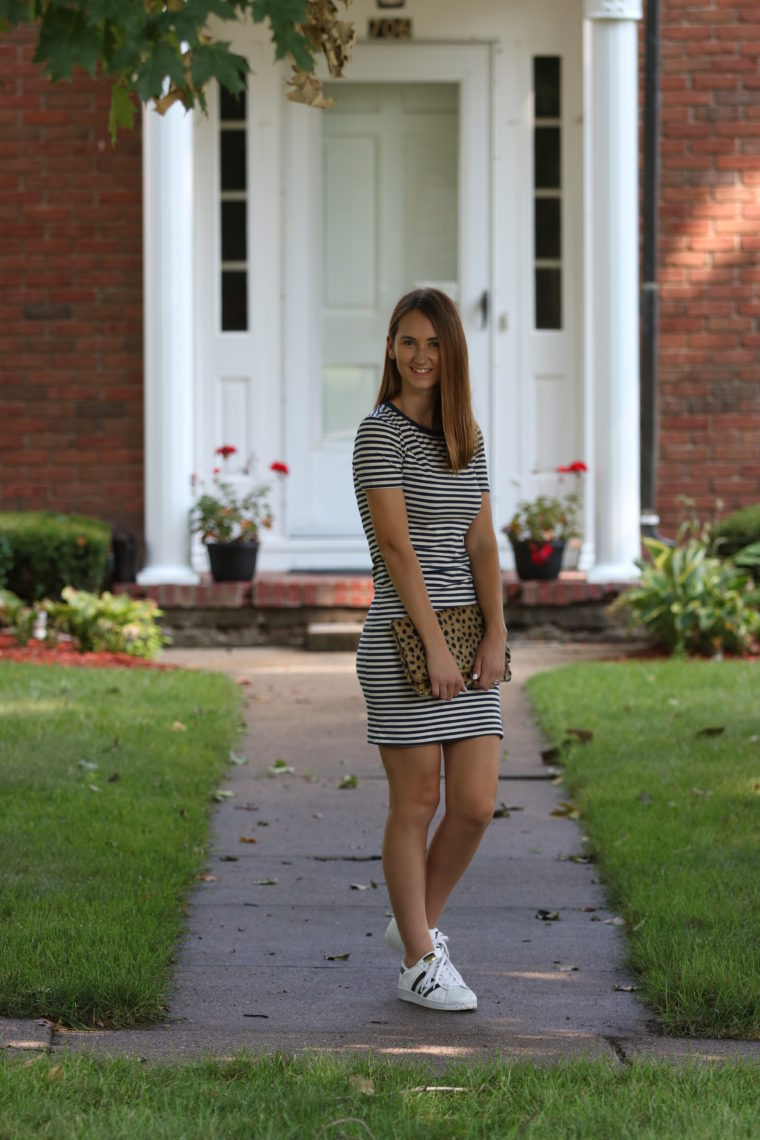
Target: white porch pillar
column 168, row 330
column 613, row 297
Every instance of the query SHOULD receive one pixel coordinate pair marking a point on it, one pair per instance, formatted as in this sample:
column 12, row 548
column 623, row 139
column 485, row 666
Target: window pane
column 231, row 107
column 548, row 232
column 546, row 85
column 548, row 298
column 234, row 300
column 233, row 160
column 547, row 158
column 347, row 392
column 234, row 242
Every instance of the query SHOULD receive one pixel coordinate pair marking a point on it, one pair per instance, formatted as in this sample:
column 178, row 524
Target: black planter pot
column 232, row 561
column 530, row 564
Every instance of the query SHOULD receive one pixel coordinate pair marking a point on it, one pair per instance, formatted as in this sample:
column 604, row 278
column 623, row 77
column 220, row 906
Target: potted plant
column 540, row 528
column 229, row 518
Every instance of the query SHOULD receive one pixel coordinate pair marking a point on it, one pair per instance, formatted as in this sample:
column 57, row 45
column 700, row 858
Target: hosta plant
column 115, row 623
column 688, row 601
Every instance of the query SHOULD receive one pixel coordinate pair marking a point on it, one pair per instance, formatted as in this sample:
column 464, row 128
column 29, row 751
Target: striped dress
column 392, row 450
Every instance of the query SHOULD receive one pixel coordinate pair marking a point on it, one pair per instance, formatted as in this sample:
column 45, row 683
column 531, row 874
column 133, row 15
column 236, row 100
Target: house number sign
column 392, row 29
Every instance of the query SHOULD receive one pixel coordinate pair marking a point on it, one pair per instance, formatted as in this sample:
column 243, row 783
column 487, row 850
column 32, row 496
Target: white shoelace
column 444, row 973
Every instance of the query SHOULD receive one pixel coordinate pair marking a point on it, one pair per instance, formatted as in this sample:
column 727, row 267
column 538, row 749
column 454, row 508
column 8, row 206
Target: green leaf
column 122, row 113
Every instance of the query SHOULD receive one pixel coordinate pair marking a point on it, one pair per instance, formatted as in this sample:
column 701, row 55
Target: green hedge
column 49, row 551
column 737, row 530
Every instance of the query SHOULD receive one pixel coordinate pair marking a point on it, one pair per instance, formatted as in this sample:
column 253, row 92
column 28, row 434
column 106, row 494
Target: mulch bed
column 65, row 653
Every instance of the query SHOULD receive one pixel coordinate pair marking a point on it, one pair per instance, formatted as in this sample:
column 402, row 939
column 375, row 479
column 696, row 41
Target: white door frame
column 469, row 65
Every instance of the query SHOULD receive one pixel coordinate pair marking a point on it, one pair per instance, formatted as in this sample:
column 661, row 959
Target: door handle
column 484, row 307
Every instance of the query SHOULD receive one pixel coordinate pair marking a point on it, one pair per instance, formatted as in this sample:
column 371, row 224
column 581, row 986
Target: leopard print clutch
column 463, row 628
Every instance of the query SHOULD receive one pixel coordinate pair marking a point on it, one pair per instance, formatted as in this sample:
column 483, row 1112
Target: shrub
column 6, row 559
column 115, row 623
column 735, row 531
column 50, row 551
column 687, row 600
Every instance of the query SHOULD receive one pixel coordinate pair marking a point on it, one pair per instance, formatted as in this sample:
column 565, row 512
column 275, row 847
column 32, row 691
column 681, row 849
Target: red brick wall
column 70, row 298
column 709, row 368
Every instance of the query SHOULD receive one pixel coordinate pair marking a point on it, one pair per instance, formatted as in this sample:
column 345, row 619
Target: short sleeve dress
column 392, row 450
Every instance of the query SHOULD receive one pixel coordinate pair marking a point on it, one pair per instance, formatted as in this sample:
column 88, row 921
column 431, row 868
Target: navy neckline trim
column 420, row 427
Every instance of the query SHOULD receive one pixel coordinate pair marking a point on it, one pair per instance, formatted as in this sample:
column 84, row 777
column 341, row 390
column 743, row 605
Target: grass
column 106, row 778
column 276, row 1098
column 673, row 818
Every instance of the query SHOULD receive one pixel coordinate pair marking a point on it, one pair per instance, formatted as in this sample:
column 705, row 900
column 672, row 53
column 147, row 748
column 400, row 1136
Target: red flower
column 216, row 470
column 226, row 450
column 540, row 554
column 279, row 468
column 576, row 468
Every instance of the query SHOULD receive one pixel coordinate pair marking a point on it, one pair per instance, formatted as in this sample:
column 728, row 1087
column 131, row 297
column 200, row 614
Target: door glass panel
column 390, row 207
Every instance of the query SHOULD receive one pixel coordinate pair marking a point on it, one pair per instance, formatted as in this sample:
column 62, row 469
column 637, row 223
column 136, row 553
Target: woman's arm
column 481, row 546
column 391, row 525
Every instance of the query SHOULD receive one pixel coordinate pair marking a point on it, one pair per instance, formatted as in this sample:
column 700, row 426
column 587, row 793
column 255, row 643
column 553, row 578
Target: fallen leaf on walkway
column 349, row 782
column 566, row 967
column 501, row 812
column 238, row 759
column 248, row 839
column 266, row 882
column 567, row 809
column 264, row 1015
column 337, row 957
column 362, row 1084
column 588, row 909
column 711, row 730
column 548, row 915
column 246, row 807
column 262, row 823
column 616, row 921
column 228, row 859
column 223, row 794
column 364, row 886
column 206, row 878
column 583, row 734
column 589, row 858
column 178, row 726
column 627, row 988
column 550, row 755
column 279, row 768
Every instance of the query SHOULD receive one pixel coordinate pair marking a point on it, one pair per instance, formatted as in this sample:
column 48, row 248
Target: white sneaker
column 393, row 939
column 435, row 983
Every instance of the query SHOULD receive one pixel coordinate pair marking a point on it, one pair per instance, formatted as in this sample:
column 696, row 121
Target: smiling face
column 417, row 353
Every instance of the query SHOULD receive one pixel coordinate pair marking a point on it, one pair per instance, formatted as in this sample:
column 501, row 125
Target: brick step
column 305, row 591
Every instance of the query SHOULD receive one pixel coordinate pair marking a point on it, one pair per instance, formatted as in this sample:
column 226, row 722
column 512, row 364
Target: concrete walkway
column 285, row 950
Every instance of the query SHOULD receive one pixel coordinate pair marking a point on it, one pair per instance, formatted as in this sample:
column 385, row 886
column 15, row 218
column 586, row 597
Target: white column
column 168, row 330
column 614, row 287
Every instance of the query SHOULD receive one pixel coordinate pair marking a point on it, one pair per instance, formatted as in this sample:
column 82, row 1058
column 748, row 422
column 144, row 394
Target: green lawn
column 673, row 816
column 284, row 1099
column 106, row 780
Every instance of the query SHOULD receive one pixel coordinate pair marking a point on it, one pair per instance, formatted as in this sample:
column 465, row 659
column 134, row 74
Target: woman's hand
column 488, row 666
column 445, row 679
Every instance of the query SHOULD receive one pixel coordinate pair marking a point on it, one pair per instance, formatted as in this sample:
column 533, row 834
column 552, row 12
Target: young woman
column 422, row 489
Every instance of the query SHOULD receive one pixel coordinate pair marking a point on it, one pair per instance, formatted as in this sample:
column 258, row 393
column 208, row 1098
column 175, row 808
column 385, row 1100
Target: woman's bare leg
column 414, row 788
column 472, row 773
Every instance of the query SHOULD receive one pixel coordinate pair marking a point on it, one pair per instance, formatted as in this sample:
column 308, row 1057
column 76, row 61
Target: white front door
column 386, row 191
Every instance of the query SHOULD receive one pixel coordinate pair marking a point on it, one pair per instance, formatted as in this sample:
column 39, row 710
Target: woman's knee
column 472, row 814
column 417, row 806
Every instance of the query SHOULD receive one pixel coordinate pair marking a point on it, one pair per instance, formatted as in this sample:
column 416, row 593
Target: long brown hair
column 454, row 404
